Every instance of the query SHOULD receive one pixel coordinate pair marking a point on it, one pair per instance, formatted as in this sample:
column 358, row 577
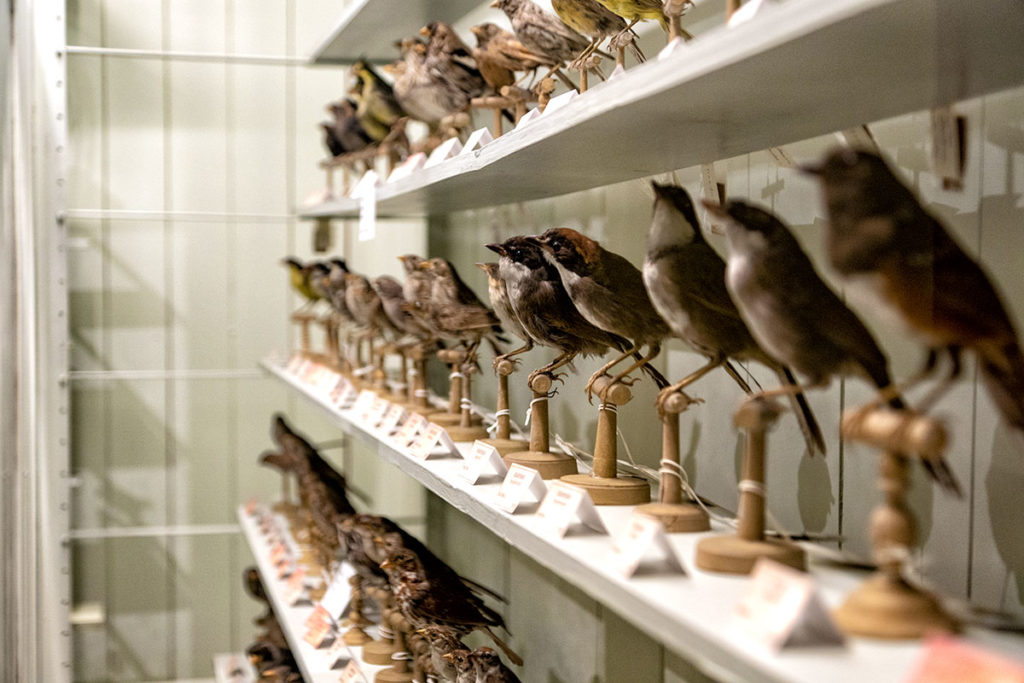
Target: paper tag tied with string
column 948, row 147
column 483, row 459
column 566, row 504
column 782, row 608
column 644, row 538
column 713, row 190
column 520, row 483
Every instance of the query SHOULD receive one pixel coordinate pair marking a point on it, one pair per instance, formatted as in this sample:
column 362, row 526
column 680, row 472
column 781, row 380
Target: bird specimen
column 685, row 278
column 502, row 306
column 593, row 20
column 442, row 641
column 418, row 281
column 609, row 292
column 300, row 275
column 344, row 134
column 543, row 308
column 416, row 88
column 393, row 302
column 462, row 665
column 499, row 55
column 542, row 32
column 335, row 288
column 366, row 307
column 423, row 600
column 634, row 11
column 881, row 239
column 378, row 110
column 457, row 312
column 794, row 316
column 489, row 667
column 254, row 587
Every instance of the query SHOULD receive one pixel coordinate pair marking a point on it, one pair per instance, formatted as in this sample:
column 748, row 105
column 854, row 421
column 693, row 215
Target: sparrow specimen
column 344, row 133
column 499, row 55
column 609, row 292
column 794, row 316
column 685, row 278
column 365, row 305
column 442, row 641
column 417, row 90
column 451, row 62
column 489, row 667
column 378, row 109
column 498, row 293
column 457, row 312
column 393, row 302
column 418, row 281
column 542, row 32
column 593, row 20
column 335, row 287
column 450, row 604
column 462, row 665
column 543, row 307
column 880, row 238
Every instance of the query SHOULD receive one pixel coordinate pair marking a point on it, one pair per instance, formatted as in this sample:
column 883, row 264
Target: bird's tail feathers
column 509, row 652
column 652, row 372
column 804, row 415
column 1002, row 371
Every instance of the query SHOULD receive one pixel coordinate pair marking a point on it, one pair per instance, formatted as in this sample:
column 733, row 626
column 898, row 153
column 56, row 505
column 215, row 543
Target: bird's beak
column 481, row 266
column 810, row 168
column 425, row 32
column 386, row 564
column 476, row 30
column 496, row 248
column 494, row 4
column 378, row 539
column 715, row 208
column 449, row 656
column 427, row 265
column 660, row 191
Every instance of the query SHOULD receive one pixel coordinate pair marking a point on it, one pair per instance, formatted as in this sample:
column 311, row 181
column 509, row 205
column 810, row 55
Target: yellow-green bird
column 301, row 276
column 637, row 10
column 377, row 108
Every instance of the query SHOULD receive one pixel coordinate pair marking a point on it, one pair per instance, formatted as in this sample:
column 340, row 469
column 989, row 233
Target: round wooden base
column 734, row 555
column 446, row 419
column 678, row 518
column 356, row 636
column 459, row 433
column 379, row 653
column 883, row 607
column 612, row 491
column 549, row 465
column 507, row 446
column 392, row 676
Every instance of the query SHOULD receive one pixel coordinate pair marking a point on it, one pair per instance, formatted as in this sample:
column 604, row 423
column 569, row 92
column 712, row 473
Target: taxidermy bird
column 609, row 292
column 685, row 278
column 542, row 32
column 378, row 109
column 881, row 239
column 794, row 316
column 499, row 55
column 300, row 275
column 344, row 134
column 502, row 307
column 593, row 20
column 489, row 667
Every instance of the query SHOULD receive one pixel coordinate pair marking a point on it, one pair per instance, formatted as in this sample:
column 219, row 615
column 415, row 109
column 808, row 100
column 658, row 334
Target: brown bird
column 394, row 305
column 685, row 278
column 543, row 307
column 881, row 239
column 442, row 641
column 450, row 604
column 593, row 20
column 489, row 667
column 451, row 61
column 462, row 665
column 419, row 92
column 542, row 32
column 457, row 312
column 502, row 307
column 366, row 307
column 499, row 55
column 609, row 292
column 344, row 133
column 794, row 316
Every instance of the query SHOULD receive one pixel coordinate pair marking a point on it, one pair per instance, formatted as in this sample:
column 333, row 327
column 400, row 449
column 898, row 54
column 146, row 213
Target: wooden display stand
column 738, row 554
column 539, row 457
column 418, row 395
column 502, row 440
column 456, row 379
column 305, row 322
column 332, row 352
column 401, row 669
column 379, row 652
column 603, row 484
column 470, row 427
column 886, row 605
column 676, row 516
column 355, row 635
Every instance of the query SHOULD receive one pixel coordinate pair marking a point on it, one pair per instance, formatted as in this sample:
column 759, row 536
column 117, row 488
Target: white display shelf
column 691, row 615
column 233, row 668
column 314, row 663
column 369, row 29
column 798, row 69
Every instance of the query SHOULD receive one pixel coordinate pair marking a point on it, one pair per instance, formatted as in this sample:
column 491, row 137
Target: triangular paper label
column 519, row 484
column 479, row 139
column 446, row 150
column 408, row 167
column 565, row 504
column 430, row 440
column 482, row 459
column 409, row 429
column 782, row 608
column 643, row 537
column 396, row 415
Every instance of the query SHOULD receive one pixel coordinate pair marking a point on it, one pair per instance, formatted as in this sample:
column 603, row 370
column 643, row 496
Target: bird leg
column 652, row 351
column 665, row 393
column 508, row 356
column 589, row 389
column 549, row 369
column 940, row 390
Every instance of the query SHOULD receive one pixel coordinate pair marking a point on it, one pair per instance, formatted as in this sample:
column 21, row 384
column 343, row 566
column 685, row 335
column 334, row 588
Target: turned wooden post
column 539, row 457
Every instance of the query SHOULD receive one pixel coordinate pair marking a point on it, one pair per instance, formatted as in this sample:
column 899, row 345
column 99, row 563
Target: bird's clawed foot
column 673, row 400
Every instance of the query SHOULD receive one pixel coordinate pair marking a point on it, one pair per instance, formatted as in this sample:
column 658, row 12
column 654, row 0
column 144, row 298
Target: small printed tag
column 945, row 659
column 351, row 674
column 782, row 158
column 317, row 634
column 446, row 150
column 948, row 147
column 408, row 167
column 319, row 615
column 483, row 459
column 528, row 117
column 642, row 536
column 372, row 415
column 364, row 403
column 345, row 394
column 564, row 504
column 478, row 140
column 250, row 506
column 338, row 592
column 559, row 102
column 395, row 416
column 782, row 608
column 432, row 436
column 745, row 13
column 409, row 429
column 337, row 653
column 519, row 483
column 294, row 588
column 713, row 190
column 278, row 552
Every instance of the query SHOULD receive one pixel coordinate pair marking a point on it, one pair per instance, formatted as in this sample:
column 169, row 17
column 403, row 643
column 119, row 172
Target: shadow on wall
column 1004, row 482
